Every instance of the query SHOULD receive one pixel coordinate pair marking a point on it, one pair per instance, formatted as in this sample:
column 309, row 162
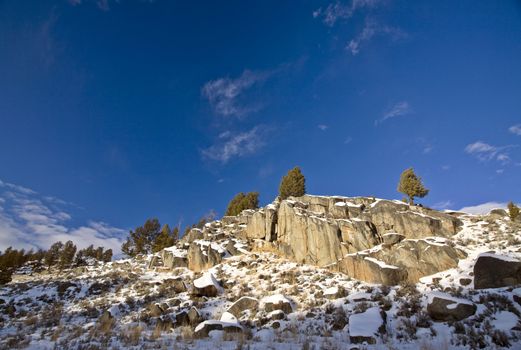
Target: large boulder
column 277, row 302
column 202, row 256
column 207, row 286
column 256, row 228
column 173, row 257
column 443, row 307
column 495, row 271
column 365, row 327
column 192, row 235
column 243, row 304
column 176, row 284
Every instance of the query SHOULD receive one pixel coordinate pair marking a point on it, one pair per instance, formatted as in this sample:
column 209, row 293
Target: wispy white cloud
column 515, row 129
column 103, row 5
column 224, row 94
column 233, row 145
column 483, row 208
column 348, row 140
column 371, row 29
column 443, row 205
column 338, row 10
column 30, row 220
column 323, row 127
column 486, row 152
column 399, row 109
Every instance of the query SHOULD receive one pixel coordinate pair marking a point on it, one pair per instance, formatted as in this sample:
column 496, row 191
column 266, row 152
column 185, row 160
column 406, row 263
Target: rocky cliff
column 375, row 240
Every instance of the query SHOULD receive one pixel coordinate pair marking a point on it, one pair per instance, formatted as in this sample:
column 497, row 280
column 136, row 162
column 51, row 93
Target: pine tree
column 242, row 201
column 513, row 211
column 53, row 254
column 163, row 240
column 411, row 185
column 66, row 256
column 107, row 256
column 292, row 184
column 140, row 240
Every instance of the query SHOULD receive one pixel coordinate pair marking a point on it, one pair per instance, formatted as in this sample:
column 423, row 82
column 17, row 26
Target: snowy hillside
column 261, row 300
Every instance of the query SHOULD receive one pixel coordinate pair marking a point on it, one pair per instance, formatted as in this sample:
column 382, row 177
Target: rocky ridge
column 374, row 240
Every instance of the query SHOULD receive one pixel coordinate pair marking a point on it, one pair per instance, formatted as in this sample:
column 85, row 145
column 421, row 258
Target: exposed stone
column 363, row 267
column 256, row 228
column 243, row 304
column 192, row 235
column 498, row 212
column 495, row 271
column 206, row 286
column 278, row 302
column 410, row 221
column 422, row 257
column 465, row 281
column 442, row 307
column 172, row 259
column 359, row 235
column 392, row 238
column 155, row 310
column 201, row 257
column 177, row 284
column 308, row 239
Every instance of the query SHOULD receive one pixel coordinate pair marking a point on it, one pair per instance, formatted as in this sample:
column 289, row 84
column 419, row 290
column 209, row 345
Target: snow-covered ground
column 124, row 305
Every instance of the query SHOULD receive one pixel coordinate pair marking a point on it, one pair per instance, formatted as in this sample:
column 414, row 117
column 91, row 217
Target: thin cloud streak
column 224, row 94
column 336, row 11
column 371, row 29
column 485, row 152
column 399, row 109
column 236, row 145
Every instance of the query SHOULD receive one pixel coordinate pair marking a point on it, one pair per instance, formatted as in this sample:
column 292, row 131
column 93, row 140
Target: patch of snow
column 504, row 320
column 276, row 299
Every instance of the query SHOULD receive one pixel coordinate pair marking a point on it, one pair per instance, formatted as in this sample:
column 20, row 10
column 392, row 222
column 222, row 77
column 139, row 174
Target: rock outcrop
column 375, row 240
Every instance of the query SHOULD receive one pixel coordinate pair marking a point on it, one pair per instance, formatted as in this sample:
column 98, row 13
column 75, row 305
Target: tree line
column 59, row 255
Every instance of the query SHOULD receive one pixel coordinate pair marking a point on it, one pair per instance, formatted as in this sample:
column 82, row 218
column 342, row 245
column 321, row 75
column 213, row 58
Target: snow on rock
column 228, row 317
column 365, row 326
column 207, row 285
column 380, row 263
column 444, row 307
column 277, row 302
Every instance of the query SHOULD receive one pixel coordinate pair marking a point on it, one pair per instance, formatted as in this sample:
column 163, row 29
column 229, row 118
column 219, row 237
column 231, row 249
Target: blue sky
column 115, row 111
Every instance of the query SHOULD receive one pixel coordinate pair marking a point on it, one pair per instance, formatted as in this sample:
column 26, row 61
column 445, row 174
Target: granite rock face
column 375, row 240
